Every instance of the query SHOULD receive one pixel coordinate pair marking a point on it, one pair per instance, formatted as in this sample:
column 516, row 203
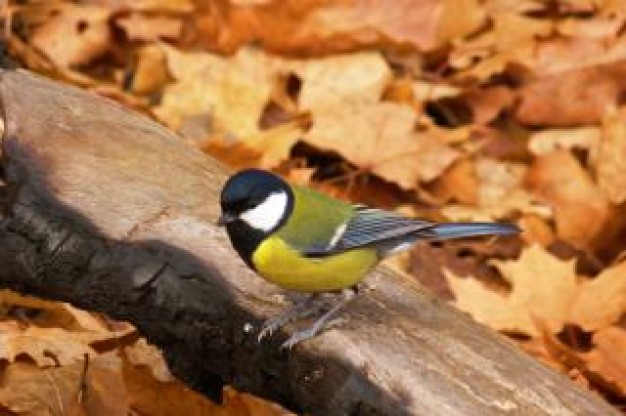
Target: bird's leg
column 318, row 326
column 300, row 309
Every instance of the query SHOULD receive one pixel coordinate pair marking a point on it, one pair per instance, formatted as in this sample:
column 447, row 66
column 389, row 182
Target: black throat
column 245, row 240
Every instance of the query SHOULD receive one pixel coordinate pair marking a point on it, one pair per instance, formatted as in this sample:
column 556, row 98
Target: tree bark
column 111, row 212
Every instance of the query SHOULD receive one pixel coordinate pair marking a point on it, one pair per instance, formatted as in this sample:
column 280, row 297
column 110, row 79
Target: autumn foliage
column 452, row 110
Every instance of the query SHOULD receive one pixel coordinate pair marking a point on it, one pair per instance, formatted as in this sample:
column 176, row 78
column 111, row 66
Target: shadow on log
column 109, row 211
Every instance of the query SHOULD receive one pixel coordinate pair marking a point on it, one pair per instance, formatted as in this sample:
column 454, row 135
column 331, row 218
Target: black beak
column 226, row 218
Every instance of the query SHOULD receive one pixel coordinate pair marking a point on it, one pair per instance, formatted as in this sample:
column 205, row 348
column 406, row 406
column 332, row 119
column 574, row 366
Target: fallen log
column 111, row 212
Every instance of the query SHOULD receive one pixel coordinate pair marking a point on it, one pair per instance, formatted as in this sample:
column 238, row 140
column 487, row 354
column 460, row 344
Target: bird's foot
column 322, row 323
column 301, row 309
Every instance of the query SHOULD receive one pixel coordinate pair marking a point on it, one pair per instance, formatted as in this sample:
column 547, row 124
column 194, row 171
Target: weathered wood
column 111, row 212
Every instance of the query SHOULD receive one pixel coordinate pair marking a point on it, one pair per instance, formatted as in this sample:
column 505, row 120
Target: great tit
column 305, row 241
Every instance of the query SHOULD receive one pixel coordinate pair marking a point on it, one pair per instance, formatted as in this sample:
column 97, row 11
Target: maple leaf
column 233, row 91
column 350, row 78
column 380, row 138
column 542, row 288
column 601, row 301
column 581, row 208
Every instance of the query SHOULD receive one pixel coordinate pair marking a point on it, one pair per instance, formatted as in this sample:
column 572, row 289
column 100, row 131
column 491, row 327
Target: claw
column 299, row 310
column 321, row 323
column 300, row 336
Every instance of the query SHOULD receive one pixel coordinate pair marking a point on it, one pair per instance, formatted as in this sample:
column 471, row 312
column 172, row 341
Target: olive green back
column 314, row 220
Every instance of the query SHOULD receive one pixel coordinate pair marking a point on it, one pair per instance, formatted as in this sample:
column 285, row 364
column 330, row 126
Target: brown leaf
column 459, row 183
column 573, row 98
column 608, row 359
column 581, row 208
column 548, row 140
column 233, row 91
column 143, row 354
column 172, row 6
column 328, row 83
column 499, row 193
column 459, row 18
column 601, row 301
column 47, row 346
column 74, row 35
column 150, row 70
column 243, row 404
column 275, row 145
column 147, row 28
column 380, row 138
column 543, row 287
column 321, row 26
column 611, row 163
column 157, row 397
column 26, row 389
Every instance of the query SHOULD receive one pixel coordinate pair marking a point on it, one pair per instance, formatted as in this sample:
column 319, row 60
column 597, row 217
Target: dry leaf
column 608, row 359
column 548, row 140
column 142, row 27
column 233, row 91
column 459, row 183
column 143, row 354
column 161, row 6
column 574, row 98
column 542, row 288
column 348, row 79
column 275, row 144
column 459, row 18
column 611, row 163
column 150, row 70
column 243, row 404
column 74, row 35
column 321, row 26
column 26, row 389
column 581, row 208
column 47, row 346
column 601, row 301
column 153, row 396
column 499, row 193
column 380, row 138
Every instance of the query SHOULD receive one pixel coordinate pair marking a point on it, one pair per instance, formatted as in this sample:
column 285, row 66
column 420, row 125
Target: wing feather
column 389, row 232
column 373, row 227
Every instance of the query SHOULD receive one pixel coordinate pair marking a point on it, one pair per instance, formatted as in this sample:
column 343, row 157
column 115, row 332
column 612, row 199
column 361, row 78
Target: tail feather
column 460, row 230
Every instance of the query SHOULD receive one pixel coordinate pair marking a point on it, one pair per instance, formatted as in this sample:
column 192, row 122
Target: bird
column 305, row 241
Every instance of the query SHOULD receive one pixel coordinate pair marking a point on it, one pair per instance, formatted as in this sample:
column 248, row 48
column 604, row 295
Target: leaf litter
column 458, row 110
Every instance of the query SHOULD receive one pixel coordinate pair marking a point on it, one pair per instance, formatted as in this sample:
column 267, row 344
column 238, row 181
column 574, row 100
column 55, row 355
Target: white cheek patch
column 268, row 214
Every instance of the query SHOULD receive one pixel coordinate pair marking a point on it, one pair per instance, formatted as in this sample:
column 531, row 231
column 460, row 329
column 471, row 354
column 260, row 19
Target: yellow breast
column 280, row 264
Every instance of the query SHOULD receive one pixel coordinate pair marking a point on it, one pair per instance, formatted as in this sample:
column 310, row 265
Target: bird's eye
column 252, row 203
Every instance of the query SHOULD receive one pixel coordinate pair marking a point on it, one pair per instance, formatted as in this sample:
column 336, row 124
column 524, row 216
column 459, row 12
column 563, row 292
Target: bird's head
column 257, row 199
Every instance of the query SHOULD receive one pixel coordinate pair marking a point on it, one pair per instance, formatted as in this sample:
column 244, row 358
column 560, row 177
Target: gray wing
column 389, row 232
column 370, row 227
